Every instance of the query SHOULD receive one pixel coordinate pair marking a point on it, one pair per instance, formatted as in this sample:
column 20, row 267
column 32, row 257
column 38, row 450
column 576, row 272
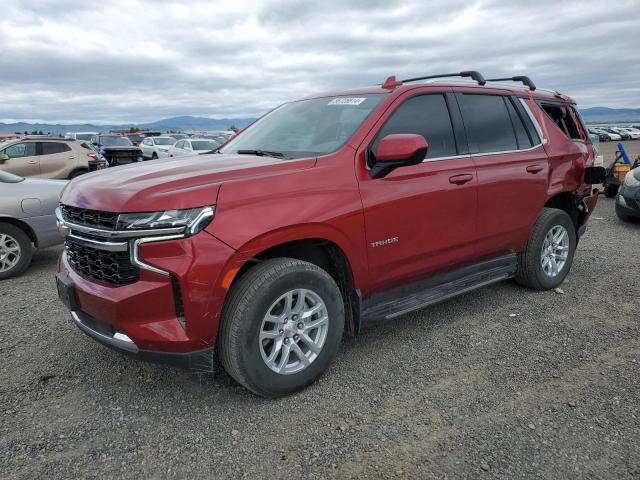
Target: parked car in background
column 602, row 136
column 84, row 136
column 192, row 146
column 45, row 157
column 632, row 132
column 178, row 136
column 623, row 135
column 116, row 150
column 328, row 213
column 156, row 147
column 613, row 136
column 628, row 197
column 27, row 220
column 135, row 139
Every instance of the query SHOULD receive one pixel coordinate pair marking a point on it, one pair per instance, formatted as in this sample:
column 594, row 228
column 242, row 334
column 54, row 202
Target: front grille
column 114, row 268
column 89, row 218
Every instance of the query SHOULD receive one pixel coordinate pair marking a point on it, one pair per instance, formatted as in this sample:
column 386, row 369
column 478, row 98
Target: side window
column 50, row 148
column 20, row 150
column 564, row 119
column 187, row 145
column 522, row 136
column 425, row 115
column 179, row 144
column 487, row 122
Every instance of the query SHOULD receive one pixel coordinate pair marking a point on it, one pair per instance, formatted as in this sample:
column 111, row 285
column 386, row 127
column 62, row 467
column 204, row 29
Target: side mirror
column 3, row 157
column 398, row 150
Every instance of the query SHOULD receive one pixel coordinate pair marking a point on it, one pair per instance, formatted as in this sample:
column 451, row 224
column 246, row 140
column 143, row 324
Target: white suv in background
column 192, row 146
column 156, row 147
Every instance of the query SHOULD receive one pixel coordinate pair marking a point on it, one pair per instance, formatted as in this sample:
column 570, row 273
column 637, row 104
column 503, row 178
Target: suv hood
column 172, row 183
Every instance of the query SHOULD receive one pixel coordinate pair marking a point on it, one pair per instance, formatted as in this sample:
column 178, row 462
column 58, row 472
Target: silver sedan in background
column 27, row 220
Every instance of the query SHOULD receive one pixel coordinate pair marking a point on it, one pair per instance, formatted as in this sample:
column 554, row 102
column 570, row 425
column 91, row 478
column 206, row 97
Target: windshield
column 204, row 144
column 6, row 177
column 84, row 136
column 307, row 127
column 164, row 141
column 115, row 142
column 134, row 138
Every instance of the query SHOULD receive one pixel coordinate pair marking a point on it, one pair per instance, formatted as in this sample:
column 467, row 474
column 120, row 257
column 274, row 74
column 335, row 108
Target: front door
column 22, row 160
column 420, row 220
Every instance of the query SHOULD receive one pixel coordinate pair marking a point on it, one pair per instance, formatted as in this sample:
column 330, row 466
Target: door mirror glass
column 398, row 150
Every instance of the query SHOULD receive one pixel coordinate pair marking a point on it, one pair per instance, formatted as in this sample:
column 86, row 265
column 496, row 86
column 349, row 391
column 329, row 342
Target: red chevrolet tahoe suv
column 325, row 214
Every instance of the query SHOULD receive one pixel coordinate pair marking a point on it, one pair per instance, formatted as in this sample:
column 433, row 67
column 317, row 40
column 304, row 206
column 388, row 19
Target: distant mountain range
column 612, row 115
column 187, row 123
column 184, row 123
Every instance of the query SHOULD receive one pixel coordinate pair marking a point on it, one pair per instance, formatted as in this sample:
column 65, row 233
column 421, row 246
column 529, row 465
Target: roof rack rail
column 520, row 78
column 477, row 76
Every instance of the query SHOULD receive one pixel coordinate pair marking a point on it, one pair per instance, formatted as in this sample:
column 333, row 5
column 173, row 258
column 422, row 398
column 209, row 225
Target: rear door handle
column 461, row 179
column 33, row 162
column 534, row 168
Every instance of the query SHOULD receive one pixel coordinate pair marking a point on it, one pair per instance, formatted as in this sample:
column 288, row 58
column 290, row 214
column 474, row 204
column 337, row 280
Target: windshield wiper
column 263, row 153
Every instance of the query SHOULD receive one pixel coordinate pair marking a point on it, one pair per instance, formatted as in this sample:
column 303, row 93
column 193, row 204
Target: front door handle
column 461, row 179
column 534, row 168
column 33, row 162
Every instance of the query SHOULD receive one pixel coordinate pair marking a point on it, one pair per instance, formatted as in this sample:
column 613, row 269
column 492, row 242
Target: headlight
column 631, row 180
column 193, row 220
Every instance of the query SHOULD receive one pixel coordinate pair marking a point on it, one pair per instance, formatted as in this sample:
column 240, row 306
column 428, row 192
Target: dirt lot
column 609, row 150
column 503, row 382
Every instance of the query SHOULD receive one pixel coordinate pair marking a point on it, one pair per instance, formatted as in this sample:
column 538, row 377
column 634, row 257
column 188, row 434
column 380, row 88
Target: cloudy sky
column 136, row 61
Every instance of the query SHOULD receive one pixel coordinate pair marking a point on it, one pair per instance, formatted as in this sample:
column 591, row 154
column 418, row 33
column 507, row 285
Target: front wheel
column 548, row 256
column 15, row 251
column 281, row 326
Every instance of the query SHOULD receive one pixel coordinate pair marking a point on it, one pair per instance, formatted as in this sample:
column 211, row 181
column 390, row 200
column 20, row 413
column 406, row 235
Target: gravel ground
column 500, row 383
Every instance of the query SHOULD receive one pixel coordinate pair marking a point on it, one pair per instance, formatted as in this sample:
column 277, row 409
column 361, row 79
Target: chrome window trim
column 108, row 246
column 135, row 259
column 468, row 155
column 536, row 125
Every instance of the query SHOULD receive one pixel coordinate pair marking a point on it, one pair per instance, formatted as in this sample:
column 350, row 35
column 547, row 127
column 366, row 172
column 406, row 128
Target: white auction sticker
column 347, row 101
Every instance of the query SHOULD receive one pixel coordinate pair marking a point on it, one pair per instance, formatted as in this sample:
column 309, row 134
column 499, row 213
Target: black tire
column 530, row 272
column 250, row 299
column 26, row 250
column 611, row 191
column 77, row 173
column 154, row 156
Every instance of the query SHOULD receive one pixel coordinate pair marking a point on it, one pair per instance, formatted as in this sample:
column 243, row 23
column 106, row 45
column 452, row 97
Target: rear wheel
column 77, row 173
column 281, row 326
column 15, row 251
column 610, row 191
column 548, row 256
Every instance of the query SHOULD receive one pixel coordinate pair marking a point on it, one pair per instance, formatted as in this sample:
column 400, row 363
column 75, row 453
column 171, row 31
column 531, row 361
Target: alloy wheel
column 293, row 331
column 9, row 252
column 555, row 251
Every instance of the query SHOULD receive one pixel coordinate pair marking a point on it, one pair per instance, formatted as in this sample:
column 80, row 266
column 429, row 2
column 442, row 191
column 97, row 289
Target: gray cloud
column 66, row 60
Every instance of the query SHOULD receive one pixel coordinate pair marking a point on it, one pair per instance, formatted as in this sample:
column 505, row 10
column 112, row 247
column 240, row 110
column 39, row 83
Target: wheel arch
column 326, row 253
column 22, row 226
column 567, row 202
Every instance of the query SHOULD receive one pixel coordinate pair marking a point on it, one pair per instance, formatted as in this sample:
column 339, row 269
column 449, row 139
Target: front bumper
column 628, row 200
column 196, row 361
column 142, row 319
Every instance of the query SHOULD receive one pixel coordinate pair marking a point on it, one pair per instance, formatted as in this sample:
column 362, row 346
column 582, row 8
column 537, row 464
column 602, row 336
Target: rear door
column 23, row 159
column 512, row 169
column 56, row 159
column 420, row 220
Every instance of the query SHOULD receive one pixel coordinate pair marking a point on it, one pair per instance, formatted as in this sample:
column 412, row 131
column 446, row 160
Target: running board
column 397, row 302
